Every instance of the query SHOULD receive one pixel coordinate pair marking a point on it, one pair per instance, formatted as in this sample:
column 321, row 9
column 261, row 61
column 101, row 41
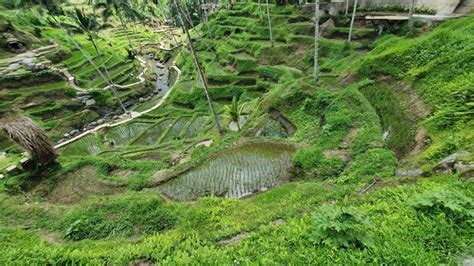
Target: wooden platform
column 387, row 17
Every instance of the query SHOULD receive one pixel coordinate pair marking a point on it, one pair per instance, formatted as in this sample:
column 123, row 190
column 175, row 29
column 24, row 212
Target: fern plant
column 453, row 204
column 341, row 227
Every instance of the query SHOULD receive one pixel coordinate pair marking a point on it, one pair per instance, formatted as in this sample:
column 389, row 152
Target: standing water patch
column 152, row 135
column 87, row 145
column 123, row 134
column 234, row 173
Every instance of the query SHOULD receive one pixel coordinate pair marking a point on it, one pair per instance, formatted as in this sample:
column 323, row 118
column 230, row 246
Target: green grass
column 344, row 204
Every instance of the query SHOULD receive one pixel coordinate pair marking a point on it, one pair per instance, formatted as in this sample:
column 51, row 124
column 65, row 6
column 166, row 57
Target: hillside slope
column 396, row 103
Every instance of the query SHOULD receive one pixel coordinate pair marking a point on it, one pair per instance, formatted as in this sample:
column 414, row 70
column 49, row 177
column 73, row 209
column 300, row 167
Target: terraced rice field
column 153, row 134
column 175, row 131
column 124, row 134
column 195, row 127
column 234, row 173
column 83, row 146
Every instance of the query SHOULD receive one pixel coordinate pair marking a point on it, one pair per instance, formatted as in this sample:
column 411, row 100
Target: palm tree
column 32, row 138
column 190, row 21
column 316, row 39
column 410, row 17
column 52, row 7
column 199, row 69
column 88, row 24
column 269, row 24
column 234, row 111
column 352, row 21
column 122, row 9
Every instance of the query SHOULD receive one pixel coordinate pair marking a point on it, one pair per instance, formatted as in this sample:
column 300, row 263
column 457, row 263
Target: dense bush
column 453, row 205
column 338, row 227
column 118, row 218
column 313, row 162
column 376, row 162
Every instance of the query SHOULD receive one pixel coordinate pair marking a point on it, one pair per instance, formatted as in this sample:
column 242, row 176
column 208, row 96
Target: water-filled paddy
column 234, row 173
column 87, row 145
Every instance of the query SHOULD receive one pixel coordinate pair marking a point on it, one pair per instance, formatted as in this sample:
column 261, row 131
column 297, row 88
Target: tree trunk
column 410, row 17
column 113, row 86
column 316, row 39
column 270, row 24
column 347, row 7
column 260, row 9
column 229, row 4
column 124, row 27
column 86, row 56
column 352, row 21
column 200, row 71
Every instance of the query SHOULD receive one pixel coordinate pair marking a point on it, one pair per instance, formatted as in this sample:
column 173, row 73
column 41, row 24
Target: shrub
column 118, row 218
column 341, row 227
column 373, row 163
column 313, row 161
column 453, row 204
column 101, row 96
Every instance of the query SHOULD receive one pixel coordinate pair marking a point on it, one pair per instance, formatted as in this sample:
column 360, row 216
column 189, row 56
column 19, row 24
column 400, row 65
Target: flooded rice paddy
column 234, row 173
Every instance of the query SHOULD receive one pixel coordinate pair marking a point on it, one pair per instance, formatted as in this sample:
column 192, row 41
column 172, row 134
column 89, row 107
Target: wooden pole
column 316, row 39
column 270, row 24
column 352, row 21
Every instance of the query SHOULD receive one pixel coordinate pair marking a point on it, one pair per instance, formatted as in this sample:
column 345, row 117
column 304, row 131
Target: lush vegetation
column 349, row 133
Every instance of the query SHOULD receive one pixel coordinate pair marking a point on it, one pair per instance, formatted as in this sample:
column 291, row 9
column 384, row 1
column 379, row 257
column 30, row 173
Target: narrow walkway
column 126, row 119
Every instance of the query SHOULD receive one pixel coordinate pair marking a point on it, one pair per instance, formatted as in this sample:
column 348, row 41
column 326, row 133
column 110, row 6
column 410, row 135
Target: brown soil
column 50, row 237
column 289, row 127
column 233, row 240
column 81, row 184
column 122, row 173
column 342, row 154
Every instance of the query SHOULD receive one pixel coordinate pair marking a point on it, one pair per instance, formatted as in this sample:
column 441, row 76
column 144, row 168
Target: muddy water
column 234, row 173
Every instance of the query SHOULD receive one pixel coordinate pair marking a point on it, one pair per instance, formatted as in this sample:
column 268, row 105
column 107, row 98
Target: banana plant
column 234, row 111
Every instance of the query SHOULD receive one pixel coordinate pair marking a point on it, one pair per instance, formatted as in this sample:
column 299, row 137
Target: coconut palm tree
column 88, row 24
column 316, row 39
column 199, row 69
column 352, row 21
column 122, row 9
column 234, row 111
column 52, row 6
column 32, row 138
column 269, row 24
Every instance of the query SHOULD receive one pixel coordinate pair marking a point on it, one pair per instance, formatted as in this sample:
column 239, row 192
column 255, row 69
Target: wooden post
column 316, row 39
column 352, row 21
column 270, row 24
